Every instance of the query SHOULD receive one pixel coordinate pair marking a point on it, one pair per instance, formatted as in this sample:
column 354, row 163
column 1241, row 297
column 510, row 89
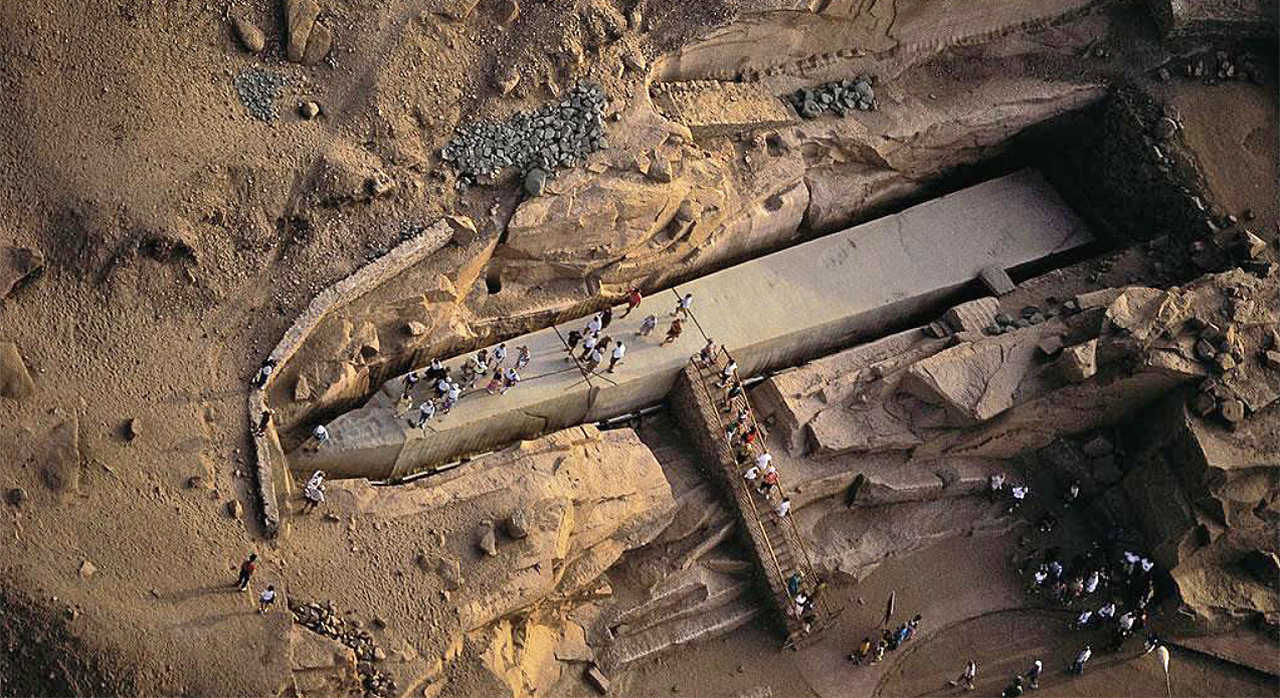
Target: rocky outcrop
column 15, row 380
column 584, row 496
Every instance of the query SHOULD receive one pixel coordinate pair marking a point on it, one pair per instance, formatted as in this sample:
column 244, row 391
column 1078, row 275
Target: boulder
column 1078, row 363
column 249, row 35
column 487, row 540
column 19, row 266
column 974, row 381
column 309, row 110
column 301, row 390
column 597, row 679
column 1050, row 346
column 996, row 280
column 973, row 316
column 132, row 428
column 518, row 524
column 535, row 182
column 659, row 169
column 15, row 381
column 415, row 329
column 16, row 497
column 62, row 467
column 87, row 569
column 299, row 19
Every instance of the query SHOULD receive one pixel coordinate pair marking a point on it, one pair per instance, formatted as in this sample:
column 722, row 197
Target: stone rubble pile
column 536, row 143
column 324, row 619
column 1214, row 67
column 258, row 90
column 840, row 96
column 1031, row 315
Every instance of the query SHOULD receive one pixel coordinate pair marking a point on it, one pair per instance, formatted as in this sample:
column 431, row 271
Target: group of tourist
column 889, row 641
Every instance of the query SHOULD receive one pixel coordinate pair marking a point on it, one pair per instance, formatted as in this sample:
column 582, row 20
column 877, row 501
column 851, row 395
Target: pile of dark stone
column 840, row 96
column 324, row 619
column 536, row 142
column 258, row 90
column 1031, row 315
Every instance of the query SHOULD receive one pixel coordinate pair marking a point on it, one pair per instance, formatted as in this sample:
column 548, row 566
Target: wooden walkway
column 775, row 542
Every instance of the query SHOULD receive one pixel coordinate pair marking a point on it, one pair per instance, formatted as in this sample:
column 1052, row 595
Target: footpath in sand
column 769, row 312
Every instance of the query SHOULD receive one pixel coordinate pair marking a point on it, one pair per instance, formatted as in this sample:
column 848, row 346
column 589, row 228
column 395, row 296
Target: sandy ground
column 972, row 602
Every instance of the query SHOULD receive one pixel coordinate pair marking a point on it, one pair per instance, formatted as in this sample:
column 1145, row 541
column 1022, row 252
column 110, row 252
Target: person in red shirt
column 246, row 571
column 633, row 301
column 769, row 481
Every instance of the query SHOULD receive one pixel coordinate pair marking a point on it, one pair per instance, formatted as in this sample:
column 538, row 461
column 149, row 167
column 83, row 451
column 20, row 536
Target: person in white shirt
column 967, row 676
column 509, row 379
column 313, row 493
column 321, row 435
column 751, row 474
column 682, row 306
column 1078, row 666
column 1107, row 611
column 1147, row 565
column 783, row 508
column 594, row 325
column 619, row 351
column 499, row 355
column 727, row 372
column 426, row 411
column 1091, row 583
column 266, row 599
column 1082, row 620
column 1126, row 622
column 588, row 344
column 996, row 482
column 1019, row 494
column 763, row 459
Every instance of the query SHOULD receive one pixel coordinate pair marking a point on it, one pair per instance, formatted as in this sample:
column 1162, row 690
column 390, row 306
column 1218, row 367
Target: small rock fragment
column 488, row 540
column 309, row 110
column 1272, row 359
column 16, row 497
column 15, row 380
column 1050, row 346
column 415, row 329
column 132, row 428
column 535, row 182
column 19, row 266
column 87, row 569
column 1232, row 411
column 597, row 679
column 235, row 509
column 996, row 280
column 249, row 35
column 301, row 390
column 518, row 524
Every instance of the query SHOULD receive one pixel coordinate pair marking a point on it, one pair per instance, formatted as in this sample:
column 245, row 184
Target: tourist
column 435, row 370
column 783, row 508
column 263, row 422
column 1077, row 667
column 266, row 599
column 1126, row 623
column 572, row 342
column 495, row 383
column 734, row 392
column 967, row 676
column 808, row 616
column 1055, row 569
column 1150, row 644
column 914, row 626
column 860, row 655
column 682, row 306
column 595, row 324
column 879, row 655
column 469, row 375
column 751, row 474
column 708, row 353
column 1082, row 620
column 749, row 436
column 768, row 480
column 800, row 600
column 1146, row 564
column 673, row 332
column 1018, row 494
column 594, row 359
column 264, row 373
column 1014, row 689
column 589, row 344
column 762, row 461
column 522, row 358
column 499, row 355
column 606, row 317
column 1040, row 576
column 647, row 326
column 994, row 486
column 1033, row 675
column 633, row 300
column 442, row 386
column 508, row 380
column 1107, row 612
column 901, row 634
column 1091, row 584
column 426, row 411
column 481, row 360
column 793, row 583
column 451, row 397
column 410, row 380
column 313, row 493
column 1071, row 495
column 246, row 571
column 321, row 435
column 729, row 371
column 619, row 351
